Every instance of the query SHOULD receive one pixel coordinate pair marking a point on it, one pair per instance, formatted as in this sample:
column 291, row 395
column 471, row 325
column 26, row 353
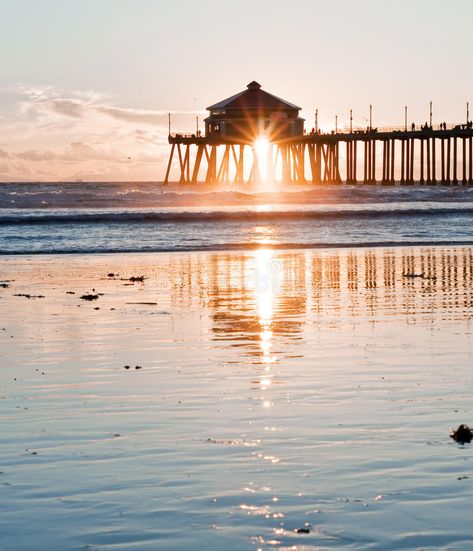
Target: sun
column 261, row 147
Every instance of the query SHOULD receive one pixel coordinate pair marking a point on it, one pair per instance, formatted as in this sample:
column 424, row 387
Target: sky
column 86, row 85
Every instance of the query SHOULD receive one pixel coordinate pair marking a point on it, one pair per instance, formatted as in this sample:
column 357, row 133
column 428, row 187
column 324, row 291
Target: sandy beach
column 237, row 400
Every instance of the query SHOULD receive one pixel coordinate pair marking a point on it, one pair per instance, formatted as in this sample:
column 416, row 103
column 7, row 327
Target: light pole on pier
column 467, row 112
column 430, row 119
column 371, row 117
column 405, row 118
column 197, row 125
column 351, row 121
column 336, row 124
column 316, row 121
column 169, row 124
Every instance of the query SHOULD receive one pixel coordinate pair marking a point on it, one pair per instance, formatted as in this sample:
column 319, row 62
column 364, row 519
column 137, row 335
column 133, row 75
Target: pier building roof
column 254, row 97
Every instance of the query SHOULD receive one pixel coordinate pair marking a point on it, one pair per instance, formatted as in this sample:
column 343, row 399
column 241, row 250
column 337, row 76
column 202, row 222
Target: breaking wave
column 152, row 194
column 272, row 214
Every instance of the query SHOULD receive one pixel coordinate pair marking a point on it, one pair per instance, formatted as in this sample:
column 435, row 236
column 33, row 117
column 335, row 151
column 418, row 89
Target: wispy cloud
column 71, row 108
column 49, row 133
column 142, row 116
column 81, row 104
column 132, row 115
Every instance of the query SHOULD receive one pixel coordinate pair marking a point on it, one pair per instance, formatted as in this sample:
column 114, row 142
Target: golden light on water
column 264, row 234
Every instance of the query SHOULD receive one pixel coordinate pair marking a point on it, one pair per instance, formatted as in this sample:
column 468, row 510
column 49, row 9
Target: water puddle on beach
column 239, row 400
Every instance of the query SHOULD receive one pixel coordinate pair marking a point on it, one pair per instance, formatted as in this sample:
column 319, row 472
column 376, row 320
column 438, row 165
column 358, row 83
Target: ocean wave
column 234, row 215
column 152, row 194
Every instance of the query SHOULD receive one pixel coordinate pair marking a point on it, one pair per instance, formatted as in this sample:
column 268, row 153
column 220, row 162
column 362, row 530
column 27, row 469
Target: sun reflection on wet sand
column 268, row 276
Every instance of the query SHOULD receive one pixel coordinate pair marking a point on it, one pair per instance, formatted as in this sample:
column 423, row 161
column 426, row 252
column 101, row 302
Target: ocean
column 148, row 217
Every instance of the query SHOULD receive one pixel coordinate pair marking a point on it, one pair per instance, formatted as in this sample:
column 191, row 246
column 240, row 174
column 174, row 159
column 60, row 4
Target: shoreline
column 283, row 247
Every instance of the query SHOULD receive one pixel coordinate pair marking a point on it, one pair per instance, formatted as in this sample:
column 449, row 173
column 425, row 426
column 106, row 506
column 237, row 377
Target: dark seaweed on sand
column 135, row 279
column 463, row 434
column 89, row 297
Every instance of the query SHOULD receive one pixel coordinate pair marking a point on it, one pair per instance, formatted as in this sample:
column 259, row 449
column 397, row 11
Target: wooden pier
column 424, row 155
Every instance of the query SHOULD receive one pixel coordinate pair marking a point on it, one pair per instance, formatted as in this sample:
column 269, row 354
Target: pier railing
column 409, row 128
column 355, row 130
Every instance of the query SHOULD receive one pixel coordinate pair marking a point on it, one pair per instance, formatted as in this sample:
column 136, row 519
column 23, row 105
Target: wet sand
column 284, row 399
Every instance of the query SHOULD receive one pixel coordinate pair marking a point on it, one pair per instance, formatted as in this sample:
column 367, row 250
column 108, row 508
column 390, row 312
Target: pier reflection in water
column 267, row 303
